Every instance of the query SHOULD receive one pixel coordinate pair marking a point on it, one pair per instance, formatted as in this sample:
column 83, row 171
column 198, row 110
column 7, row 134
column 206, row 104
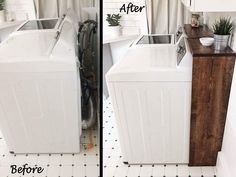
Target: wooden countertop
column 202, row 31
column 197, row 49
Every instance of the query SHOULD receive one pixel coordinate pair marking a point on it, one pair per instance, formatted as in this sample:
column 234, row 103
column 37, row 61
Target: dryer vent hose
column 89, row 113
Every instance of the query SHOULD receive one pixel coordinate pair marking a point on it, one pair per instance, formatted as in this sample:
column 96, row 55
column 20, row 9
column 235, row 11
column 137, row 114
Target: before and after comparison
column 117, row 88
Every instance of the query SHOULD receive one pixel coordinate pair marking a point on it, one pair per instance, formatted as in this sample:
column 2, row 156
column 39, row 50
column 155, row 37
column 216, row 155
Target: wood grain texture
column 198, row 50
column 211, row 85
column 201, row 31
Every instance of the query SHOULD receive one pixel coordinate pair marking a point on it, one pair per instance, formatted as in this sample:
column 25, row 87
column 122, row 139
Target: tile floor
column 84, row 164
column 112, row 157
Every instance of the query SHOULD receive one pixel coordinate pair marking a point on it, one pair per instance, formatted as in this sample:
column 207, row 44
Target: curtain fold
column 56, row 8
column 164, row 16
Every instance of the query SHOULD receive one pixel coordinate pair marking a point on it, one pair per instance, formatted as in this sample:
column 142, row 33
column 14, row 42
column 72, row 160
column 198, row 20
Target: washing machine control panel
column 178, row 34
column 181, row 50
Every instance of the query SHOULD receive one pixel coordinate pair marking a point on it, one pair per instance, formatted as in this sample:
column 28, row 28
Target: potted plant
column 2, row 11
column 222, row 29
column 114, row 24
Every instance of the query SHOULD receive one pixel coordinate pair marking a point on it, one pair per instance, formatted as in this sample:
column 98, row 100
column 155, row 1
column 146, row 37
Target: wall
column 132, row 23
column 20, row 9
column 226, row 165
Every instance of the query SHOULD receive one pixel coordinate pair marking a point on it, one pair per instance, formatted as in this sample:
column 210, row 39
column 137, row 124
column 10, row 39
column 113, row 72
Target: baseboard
column 222, row 169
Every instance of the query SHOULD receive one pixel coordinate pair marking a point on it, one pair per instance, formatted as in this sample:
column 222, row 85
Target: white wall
column 133, row 23
column 20, row 9
column 226, row 164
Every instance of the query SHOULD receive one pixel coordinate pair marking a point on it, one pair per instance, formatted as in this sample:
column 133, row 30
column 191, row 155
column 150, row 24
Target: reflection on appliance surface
column 39, row 24
column 158, row 39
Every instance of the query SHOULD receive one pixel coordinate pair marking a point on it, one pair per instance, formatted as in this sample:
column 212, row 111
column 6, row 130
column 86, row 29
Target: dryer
column 40, row 98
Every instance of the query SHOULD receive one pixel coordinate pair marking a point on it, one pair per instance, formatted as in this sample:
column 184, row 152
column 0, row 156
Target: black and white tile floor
column 84, row 164
column 112, row 158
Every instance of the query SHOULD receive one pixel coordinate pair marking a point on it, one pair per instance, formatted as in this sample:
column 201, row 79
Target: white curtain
column 164, row 16
column 56, row 8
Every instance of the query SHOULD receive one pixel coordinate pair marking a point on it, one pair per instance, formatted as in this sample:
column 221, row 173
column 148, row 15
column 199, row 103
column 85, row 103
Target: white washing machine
column 40, row 109
column 150, row 90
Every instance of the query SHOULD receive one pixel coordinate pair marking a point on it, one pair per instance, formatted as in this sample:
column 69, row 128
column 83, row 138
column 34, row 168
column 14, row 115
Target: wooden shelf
column 211, row 83
column 197, row 49
column 201, row 31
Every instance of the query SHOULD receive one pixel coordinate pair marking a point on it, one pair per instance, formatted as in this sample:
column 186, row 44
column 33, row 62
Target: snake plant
column 223, row 26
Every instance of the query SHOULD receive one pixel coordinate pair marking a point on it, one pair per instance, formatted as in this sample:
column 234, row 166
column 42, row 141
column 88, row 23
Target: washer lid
column 27, row 45
column 155, row 39
column 149, row 64
column 39, row 24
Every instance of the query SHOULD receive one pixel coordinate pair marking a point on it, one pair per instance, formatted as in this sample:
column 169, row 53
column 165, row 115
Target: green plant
column 2, row 3
column 223, row 26
column 113, row 19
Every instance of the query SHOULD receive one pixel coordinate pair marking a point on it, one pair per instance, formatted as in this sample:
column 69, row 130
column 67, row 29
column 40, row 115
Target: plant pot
column 221, row 41
column 114, row 31
column 2, row 16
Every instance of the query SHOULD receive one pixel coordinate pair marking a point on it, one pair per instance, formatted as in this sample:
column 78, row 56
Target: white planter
column 2, row 16
column 114, row 31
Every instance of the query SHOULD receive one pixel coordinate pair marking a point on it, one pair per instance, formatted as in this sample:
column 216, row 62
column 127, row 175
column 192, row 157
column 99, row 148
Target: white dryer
column 150, row 90
column 40, row 94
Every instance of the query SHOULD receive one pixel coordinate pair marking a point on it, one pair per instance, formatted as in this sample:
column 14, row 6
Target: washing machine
column 40, row 97
column 150, row 90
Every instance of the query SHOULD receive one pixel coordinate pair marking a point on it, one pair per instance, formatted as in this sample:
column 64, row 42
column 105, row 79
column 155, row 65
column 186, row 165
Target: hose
column 89, row 107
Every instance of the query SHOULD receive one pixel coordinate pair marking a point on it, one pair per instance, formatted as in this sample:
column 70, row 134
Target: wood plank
column 211, row 85
column 201, row 31
column 197, row 49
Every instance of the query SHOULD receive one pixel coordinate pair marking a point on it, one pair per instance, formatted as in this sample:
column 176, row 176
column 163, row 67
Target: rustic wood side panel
column 211, row 85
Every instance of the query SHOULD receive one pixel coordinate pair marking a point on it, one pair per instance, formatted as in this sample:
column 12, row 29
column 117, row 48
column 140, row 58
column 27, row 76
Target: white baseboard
column 222, row 166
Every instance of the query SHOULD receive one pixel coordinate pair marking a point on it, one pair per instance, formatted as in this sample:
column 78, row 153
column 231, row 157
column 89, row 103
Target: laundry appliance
column 40, row 98
column 150, row 90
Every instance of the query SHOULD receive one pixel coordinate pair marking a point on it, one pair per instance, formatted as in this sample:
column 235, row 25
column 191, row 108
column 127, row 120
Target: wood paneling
column 211, row 84
column 210, row 94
